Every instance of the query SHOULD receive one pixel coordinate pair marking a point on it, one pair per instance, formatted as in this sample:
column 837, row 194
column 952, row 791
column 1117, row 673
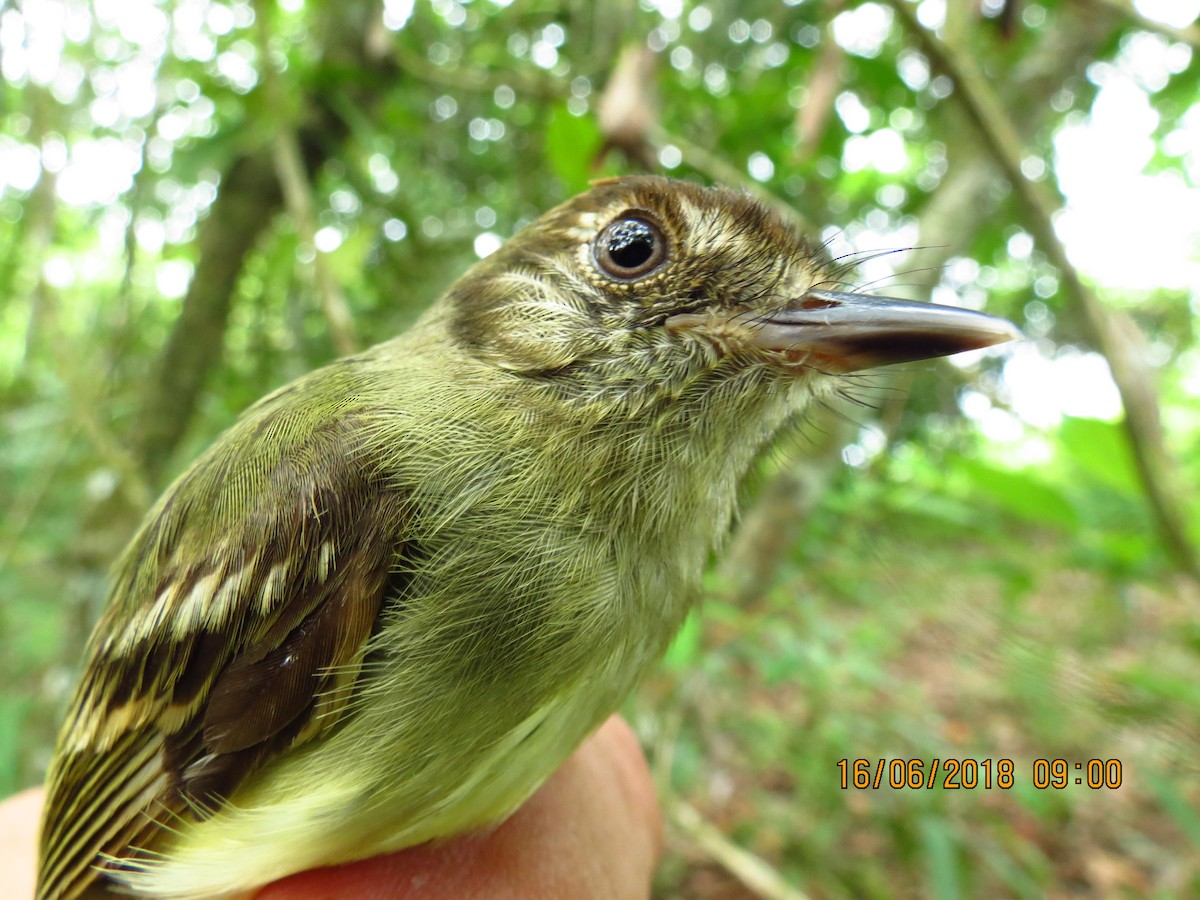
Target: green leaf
column 941, row 864
column 686, row 647
column 1101, row 451
column 1176, row 805
column 1022, row 494
column 571, row 145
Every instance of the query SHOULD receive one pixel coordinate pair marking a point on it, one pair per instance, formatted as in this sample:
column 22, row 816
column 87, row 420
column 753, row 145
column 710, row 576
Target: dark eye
column 629, row 248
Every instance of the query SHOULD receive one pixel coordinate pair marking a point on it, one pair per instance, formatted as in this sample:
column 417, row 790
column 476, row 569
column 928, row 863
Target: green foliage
column 571, row 142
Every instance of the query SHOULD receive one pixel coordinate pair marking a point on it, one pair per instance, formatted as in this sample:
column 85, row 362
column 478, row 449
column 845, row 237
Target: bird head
column 646, row 289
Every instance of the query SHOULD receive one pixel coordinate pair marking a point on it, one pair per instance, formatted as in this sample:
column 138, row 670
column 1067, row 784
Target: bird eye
column 629, row 248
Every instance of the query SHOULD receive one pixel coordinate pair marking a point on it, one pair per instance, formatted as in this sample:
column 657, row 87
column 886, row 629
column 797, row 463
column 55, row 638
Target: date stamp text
column 976, row 774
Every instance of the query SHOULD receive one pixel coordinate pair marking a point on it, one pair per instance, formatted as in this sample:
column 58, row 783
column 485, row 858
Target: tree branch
column 248, row 200
column 1156, row 469
column 752, row 871
column 297, row 194
column 716, row 168
column 1189, row 35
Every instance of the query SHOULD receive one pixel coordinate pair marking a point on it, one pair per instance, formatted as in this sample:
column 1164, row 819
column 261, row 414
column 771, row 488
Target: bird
column 390, row 600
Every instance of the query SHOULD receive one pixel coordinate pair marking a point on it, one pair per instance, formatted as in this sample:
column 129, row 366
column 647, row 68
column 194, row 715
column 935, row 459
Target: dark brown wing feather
column 169, row 719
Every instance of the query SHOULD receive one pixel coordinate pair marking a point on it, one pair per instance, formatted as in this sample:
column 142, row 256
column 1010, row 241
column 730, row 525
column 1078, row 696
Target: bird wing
column 235, row 629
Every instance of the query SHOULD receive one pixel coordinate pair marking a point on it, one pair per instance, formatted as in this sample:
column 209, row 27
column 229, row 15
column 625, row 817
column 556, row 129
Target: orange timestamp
column 971, row 774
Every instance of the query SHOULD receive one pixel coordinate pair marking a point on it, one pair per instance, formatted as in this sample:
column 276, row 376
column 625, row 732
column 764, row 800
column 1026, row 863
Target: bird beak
column 840, row 332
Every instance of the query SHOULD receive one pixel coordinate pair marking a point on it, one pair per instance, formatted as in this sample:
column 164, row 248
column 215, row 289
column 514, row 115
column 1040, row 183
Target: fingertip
column 19, row 816
column 632, row 777
column 593, row 830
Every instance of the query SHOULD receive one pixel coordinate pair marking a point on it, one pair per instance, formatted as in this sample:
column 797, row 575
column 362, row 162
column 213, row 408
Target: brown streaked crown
column 546, row 302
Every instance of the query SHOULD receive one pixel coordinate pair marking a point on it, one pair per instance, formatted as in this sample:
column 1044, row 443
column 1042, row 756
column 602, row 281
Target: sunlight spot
column 396, row 13
column 395, row 230
column 1044, row 389
column 854, row 115
column 58, row 272
column 328, row 239
column 913, row 69
column 760, row 167
column 932, row 13
column 853, row 455
column 487, row 243
column 884, row 151
column 150, row 234
column 19, row 166
column 544, row 54
column 1177, row 13
column 98, row 172
column 1020, row 245
column 172, row 276
column 863, row 30
column 1108, row 192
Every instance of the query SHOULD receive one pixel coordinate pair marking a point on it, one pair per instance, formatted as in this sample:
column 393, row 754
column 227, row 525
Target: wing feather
column 221, row 645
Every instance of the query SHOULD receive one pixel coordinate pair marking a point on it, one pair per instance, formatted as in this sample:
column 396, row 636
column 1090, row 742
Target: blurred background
column 989, row 558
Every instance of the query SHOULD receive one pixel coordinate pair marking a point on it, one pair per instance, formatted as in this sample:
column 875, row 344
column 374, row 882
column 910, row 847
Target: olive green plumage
column 391, row 599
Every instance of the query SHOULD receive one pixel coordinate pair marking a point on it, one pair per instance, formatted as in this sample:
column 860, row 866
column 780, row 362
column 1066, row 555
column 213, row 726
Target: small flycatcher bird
column 388, row 602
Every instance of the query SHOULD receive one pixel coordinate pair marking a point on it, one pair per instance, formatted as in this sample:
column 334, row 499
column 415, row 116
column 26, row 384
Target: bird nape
column 390, row 600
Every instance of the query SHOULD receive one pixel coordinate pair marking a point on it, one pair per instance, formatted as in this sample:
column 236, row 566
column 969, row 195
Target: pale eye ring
column 630, row 248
